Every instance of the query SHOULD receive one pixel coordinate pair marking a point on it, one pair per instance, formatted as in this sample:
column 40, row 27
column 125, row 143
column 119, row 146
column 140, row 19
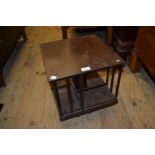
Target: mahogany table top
column 65, row 58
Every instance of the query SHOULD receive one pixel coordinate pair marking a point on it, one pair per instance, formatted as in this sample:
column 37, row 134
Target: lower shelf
column 94, row 99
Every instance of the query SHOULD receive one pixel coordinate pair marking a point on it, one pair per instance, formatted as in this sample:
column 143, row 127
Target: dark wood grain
column 94, row 99
column 124, row 38
column 69, row 93
column 66, row 58
column 145, row 45
column 109, row 35
column 112, row 79
column 118, row 81
column 134, row 62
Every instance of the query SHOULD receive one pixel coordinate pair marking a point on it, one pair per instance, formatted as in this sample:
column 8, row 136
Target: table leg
column 64, row 31
column 81, row 92
column 77, row 79
column 112, row 78
column 57, row 97
column 134, row 62
column 118, row 81
column 107, row 78
column 69, row 93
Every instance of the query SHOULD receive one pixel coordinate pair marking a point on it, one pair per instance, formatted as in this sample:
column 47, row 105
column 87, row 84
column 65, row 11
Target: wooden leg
column 57, row 97
column 76, row 81
column 134, row 62
column 69, row 93
column 2, row 82
column 107, row 78
column 64, row 31
column 81, row 92
column 109, row 35
column 112, row 78
column 118, row 81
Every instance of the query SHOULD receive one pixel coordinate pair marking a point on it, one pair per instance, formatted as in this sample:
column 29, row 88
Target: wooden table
column 83, row 91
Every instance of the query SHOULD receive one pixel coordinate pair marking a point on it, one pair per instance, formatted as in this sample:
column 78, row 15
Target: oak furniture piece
column 9, row 36
column 124, row 38
column 77, row 61
column 109, row 31
column 144, row 53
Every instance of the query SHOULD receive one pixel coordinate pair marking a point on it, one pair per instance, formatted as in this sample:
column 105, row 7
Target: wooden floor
column 29, row 103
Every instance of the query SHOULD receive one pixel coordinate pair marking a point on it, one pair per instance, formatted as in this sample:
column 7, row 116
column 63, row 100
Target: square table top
column 65, row 58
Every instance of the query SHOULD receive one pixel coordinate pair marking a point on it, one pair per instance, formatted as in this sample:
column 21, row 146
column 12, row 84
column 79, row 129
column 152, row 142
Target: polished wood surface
column 134, row 62
column 64, row 59
column 67, row 57
column 145, row 46
column 29, row 103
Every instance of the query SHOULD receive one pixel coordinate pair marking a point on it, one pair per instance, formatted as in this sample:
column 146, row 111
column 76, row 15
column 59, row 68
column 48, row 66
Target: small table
column 77, row 61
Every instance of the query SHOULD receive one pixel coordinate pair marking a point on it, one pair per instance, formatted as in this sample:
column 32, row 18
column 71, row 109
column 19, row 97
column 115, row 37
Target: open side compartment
column 86, row 93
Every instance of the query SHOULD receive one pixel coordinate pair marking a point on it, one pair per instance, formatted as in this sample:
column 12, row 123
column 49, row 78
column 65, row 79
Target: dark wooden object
column 65, row 59
column 145, row 51
column 109, row 32
column 134, row 62
column 1, row 106
column 124, row 38
column 8, row 39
